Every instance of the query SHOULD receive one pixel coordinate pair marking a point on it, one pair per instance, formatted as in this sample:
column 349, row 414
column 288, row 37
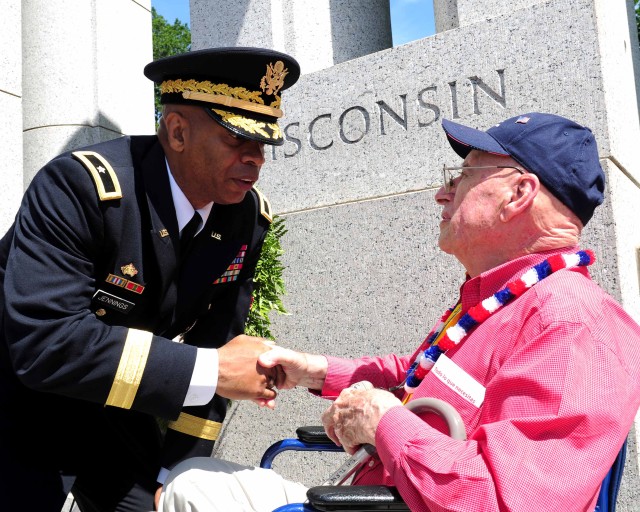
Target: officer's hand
column 295, row 368
column 240, row 377
column 156, row 500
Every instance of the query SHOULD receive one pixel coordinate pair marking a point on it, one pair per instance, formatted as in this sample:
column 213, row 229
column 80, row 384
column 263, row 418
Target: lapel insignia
column 215, row 235
column 129, row 270
column 163, row 233
column 125, row 283
column 231, row 274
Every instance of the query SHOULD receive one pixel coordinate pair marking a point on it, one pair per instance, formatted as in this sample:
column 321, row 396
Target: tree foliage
column 168, row 40
column 269, row 284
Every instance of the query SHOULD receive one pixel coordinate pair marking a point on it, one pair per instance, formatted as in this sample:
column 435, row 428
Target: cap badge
column 129, row 270
column 523, row 120
column 273, row 81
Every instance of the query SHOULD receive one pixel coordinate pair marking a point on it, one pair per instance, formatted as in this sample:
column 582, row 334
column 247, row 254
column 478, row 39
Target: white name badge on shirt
column 459, row 380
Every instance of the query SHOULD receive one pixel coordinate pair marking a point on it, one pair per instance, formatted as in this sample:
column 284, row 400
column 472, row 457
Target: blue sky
column 410, row 19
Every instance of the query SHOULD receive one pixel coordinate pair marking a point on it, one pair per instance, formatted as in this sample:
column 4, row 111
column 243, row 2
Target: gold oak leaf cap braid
column 239, row 87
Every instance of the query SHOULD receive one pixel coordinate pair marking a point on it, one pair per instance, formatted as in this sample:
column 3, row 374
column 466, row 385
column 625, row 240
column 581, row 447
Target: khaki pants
column 205, row 484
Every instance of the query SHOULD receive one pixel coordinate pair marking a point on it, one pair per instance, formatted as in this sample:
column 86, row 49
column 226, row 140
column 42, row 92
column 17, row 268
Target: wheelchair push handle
column 418, row 406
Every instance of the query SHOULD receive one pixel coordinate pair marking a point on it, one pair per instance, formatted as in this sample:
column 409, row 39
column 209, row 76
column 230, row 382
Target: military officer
column 127, row 279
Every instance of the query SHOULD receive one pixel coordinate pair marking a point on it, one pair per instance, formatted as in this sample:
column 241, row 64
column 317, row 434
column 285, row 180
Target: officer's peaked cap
column 239, row 87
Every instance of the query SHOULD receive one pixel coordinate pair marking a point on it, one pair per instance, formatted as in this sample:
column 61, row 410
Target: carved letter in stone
column 312, row 142
column 350, row 129
column 402, row 121
column 477, row 83
column 454, row 100
column 291, row 138
column 434, row 108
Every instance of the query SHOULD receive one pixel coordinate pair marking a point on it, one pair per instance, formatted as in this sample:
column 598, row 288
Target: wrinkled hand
column 240, row 377
column 295, row 368
column 352, row 420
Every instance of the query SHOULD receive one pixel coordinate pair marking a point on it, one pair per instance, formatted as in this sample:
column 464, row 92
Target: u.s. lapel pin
column 215, row 235
column 163, row 233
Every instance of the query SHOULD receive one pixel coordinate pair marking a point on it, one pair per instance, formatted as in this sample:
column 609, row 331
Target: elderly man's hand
column 240, row 377
column 295, row 368
column 353, row 418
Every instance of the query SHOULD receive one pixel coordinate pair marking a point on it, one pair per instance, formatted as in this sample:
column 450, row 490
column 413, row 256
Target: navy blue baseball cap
column 560, row 152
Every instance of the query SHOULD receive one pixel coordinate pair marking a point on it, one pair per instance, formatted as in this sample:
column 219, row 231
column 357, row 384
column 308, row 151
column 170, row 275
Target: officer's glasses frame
column 451, row 173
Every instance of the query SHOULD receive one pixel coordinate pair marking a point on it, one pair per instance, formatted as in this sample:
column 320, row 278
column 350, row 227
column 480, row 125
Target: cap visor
column 267, row 132
column 464, row 139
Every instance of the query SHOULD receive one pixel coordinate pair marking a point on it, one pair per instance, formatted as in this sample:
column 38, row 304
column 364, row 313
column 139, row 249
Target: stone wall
column 356, row 179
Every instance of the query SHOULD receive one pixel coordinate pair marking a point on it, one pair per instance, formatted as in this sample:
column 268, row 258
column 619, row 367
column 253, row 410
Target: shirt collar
column 486, row 284
column 182, row 206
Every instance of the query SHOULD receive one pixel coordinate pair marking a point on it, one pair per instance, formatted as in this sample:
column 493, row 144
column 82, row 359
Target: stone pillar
column 82, row 74
column 319, row 35
column 445, row 14
column 11, row 109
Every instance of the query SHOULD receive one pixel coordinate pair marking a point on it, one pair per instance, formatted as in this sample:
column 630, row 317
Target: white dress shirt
column 204, row 379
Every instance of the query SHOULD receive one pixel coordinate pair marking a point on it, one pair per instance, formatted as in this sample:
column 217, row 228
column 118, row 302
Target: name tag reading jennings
column 459, row 381
column 113, row 302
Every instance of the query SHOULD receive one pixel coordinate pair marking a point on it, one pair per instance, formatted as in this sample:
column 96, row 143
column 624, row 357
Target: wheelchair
column 370, row 498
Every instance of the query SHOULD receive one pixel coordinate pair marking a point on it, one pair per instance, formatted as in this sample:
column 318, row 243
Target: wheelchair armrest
column 313, row 435
column 310, row 439
column 357, row 497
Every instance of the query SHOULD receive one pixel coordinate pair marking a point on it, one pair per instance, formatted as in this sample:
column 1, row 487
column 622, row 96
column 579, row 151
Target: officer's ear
column 175, row 128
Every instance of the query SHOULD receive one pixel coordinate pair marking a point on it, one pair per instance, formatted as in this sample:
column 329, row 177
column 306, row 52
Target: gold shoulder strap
column 102, row 173
column 265, row 205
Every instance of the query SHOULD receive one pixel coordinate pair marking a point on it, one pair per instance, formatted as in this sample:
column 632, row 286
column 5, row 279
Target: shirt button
column 372, row 463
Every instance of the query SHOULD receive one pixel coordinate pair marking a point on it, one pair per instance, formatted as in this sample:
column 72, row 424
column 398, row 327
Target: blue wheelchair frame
column 376, row 498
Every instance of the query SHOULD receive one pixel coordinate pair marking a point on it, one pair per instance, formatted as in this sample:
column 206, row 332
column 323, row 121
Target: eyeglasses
column 451, row 174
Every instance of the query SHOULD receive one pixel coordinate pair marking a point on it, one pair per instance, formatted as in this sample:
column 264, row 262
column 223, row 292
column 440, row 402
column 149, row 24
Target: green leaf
column 269, row 283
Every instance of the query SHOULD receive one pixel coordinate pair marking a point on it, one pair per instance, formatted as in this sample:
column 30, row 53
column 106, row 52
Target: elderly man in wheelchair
column 541, row 365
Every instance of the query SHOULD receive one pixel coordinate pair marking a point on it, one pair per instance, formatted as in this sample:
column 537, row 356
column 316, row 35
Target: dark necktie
column 187, row 234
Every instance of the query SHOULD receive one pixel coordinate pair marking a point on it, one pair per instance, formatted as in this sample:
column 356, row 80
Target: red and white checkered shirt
column 561, row 368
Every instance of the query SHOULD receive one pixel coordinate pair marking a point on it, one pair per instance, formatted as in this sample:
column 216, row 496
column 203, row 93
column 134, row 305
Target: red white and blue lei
column 480, row 312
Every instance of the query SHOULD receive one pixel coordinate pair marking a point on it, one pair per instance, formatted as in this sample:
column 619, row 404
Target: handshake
column 253, row 368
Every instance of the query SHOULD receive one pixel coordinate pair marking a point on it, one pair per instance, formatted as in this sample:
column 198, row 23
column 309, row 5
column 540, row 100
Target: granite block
column 370, row 127
column 11, row 161
column 11, row 44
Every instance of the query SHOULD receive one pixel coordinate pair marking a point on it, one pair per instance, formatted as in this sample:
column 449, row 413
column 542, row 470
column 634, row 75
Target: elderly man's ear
column 522, row 197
